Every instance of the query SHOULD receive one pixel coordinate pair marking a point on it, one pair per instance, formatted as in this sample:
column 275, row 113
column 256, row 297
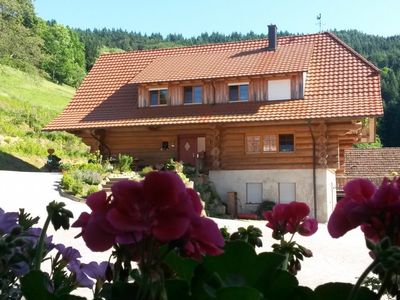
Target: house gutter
column 314, row 169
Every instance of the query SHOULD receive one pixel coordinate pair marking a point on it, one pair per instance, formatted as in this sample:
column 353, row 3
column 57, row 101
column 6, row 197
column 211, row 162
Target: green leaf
column 184, row 267
column 177, row 289
column 240, row 293
column 340, row 290
column 35, row 286
column 240, row 266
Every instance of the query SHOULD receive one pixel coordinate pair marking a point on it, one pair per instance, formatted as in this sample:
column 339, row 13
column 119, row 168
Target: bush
column 146, row 170
column 67, row 181
column 91, row 189
column 65, row 167
column 124, row 163
column 77, row 188
column 91, row 177
column 264, row 206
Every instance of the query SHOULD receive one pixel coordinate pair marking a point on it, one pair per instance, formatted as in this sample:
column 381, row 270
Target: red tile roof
column 340, row 83
column 370, row 163
column 286, row 59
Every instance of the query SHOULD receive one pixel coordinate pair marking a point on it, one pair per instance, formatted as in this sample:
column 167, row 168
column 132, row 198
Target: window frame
column 279, row 142
column 261, row 136
column 238, row 84
column 158, row 90
column 193, row 93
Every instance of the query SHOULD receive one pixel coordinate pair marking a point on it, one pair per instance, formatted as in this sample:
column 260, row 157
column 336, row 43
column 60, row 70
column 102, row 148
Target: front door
column 188, row 149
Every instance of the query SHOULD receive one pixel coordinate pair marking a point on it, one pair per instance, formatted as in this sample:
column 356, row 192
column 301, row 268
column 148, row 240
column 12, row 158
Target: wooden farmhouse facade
column 268, row 119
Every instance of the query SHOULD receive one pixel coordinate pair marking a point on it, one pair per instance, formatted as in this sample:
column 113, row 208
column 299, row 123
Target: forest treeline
column 64, row 55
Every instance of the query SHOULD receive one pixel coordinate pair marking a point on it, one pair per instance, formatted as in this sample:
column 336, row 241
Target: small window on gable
column 158, row 97
column 253, row 144
column 192, row 95
column 238, row 92
column 286, row 143
column 279, row 89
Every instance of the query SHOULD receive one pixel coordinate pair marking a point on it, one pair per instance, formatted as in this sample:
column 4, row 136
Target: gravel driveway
column 341, row 259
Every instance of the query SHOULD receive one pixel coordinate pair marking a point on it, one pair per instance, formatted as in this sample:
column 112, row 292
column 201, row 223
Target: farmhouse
column 267, row 119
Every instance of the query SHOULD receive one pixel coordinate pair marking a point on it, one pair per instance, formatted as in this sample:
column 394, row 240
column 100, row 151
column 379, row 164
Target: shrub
column 91, row 189
column 146, row 170
column 77, row 188
column 67, row 181
column 124, row 163
column 65, row 167
column 91, row 177
column 264, row 206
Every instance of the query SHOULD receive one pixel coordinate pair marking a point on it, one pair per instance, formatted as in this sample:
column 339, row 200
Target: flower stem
column 357, row 286
column 385, row 282
column 39, row 247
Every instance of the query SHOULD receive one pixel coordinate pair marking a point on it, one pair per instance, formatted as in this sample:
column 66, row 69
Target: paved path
column 334, row 259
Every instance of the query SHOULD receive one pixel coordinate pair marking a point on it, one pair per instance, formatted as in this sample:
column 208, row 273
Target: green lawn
column 27, row 103
column 20, row 86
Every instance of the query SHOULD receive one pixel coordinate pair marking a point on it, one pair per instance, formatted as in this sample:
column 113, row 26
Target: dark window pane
column 163, row 96
column 187, row 94
column 153, row 97
column 286, row 143
column 198, row 94
column 244, row 92
column 233, row 93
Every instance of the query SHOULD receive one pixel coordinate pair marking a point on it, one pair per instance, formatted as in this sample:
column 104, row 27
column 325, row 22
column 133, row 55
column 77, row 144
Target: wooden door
column 188, row 149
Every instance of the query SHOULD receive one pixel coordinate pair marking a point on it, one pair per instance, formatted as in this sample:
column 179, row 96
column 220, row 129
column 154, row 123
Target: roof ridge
column 208, row 44
column 352, row 51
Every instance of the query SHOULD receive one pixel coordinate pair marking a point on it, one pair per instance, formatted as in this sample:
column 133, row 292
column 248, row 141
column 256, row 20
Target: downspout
column 213, row 86
column 314, row 169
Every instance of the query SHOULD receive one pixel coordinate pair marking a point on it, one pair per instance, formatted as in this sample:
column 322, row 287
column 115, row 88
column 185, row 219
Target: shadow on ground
column 9, row 162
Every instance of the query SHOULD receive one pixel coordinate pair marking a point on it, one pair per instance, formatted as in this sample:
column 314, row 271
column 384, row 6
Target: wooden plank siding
column 226, row 144
column 217, row 91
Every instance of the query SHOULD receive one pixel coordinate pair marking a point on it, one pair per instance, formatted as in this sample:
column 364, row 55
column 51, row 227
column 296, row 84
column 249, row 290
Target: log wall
column 226, row 144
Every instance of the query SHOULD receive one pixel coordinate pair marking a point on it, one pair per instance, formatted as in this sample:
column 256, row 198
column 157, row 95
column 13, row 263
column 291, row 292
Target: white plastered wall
column 235, row 181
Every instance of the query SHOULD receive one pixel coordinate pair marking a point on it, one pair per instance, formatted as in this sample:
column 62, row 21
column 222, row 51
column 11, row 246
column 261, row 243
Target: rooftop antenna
column 319, row 22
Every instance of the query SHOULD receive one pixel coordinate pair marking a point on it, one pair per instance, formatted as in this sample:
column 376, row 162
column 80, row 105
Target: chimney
column 272, row 40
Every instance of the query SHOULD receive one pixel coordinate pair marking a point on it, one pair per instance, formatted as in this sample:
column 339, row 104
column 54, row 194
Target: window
column 238, row 92
column 287, row 192
column 192, row 94
column 253, row 144
column 158, row 97
column 269, row 143
column 286, row 143
column 254, row 193
column 279, row 89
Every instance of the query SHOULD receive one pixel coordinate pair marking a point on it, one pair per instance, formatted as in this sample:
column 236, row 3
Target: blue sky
column 191, row 18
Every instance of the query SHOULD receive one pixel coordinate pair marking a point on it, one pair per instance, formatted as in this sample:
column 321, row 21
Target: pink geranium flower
column 376, row 210
column 160, row 208
column 291, row 218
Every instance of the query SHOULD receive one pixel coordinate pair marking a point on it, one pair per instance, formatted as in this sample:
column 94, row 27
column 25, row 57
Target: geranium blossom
column 160, row 207
column 291, row 218
column 376, row 210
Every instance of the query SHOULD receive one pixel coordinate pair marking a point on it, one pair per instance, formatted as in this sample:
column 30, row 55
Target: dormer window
column 158, row 97
column 193, row 95
column 238, row 92
column 279, row 89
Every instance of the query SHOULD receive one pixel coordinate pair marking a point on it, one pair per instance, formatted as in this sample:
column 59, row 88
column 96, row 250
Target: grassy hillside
column 27, row 103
